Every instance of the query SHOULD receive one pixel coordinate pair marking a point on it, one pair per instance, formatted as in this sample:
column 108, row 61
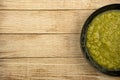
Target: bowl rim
column 83, row 39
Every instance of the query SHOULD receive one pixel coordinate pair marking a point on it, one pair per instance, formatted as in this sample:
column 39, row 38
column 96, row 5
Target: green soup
column 103, row 39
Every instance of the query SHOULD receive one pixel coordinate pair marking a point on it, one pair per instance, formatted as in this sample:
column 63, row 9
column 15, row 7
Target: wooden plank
column 49, row 69
column 43, row 21
column 40, row 68
column 41, row 45
column 54, row 4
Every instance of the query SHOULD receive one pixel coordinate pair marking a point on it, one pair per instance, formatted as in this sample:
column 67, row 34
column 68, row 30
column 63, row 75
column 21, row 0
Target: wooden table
column 40, row 40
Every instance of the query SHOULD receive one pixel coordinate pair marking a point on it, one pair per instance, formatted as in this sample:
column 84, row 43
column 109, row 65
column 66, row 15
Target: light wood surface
column 54, row 4
column 40, row 40
column 40, row 45
column 70, row 21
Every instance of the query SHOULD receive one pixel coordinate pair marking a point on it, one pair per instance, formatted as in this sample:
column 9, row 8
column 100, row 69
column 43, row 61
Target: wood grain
column 40, row 68
column 40, row 45
column 43, row 21
column 54, row 4
column 49, row 69
column 40, row 40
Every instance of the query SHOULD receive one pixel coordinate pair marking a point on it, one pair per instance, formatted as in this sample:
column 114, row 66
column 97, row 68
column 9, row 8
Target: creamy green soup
column 103, row 39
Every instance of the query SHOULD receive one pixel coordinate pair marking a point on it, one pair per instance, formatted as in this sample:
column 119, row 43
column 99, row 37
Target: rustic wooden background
column 40, row 40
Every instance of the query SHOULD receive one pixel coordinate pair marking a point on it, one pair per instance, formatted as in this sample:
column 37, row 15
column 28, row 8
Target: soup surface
column 103, row 39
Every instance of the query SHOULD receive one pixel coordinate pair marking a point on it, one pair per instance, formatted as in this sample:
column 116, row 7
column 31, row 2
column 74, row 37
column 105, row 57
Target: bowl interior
column 83, row 39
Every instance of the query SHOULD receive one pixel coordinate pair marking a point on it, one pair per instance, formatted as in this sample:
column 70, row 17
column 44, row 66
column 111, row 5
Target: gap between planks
column 44, row 9
column 38, row 57
column 36, row 33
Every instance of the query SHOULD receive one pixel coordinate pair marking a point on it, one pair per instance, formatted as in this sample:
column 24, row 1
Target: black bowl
column 83, row 39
